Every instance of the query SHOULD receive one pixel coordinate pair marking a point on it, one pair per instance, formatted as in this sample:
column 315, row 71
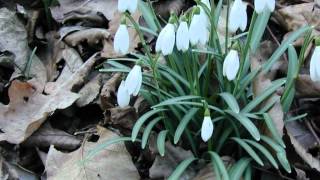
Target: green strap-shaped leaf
column 231, row 101
column 272, row 128
column 181, row 168
column 141, row 120
column 148, row 16
column 219, row 163
column 264, row 151
column 161, row 142
column 268, row 92
column 238, row 169
column 248, row 173
column 247, row 123
column 259, row 28
column 148, row 130
column 174, row 100
column 249, row 150
column 183, row 124
column 283, row 47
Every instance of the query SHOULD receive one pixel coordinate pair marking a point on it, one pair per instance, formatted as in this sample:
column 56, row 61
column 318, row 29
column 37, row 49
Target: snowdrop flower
column 123, row 96
column 134, row 80
column 127, row 5
column 121, row 40
column 166, row 40
column 231, row 65
column 261, row 5
column 198, row 31
column 238, row 16
column 315, row 65
column 182, row 40
column 207, row 127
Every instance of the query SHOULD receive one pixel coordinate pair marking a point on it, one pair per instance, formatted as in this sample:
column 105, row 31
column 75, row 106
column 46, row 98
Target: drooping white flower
column 231, row 65
column 182, row 40
column 127, row 5
column 315, row 65
column 238, row 18
column 262, row 5
column 206, row 129
column 134, row 80
column 198, row 31
column 166, row 40
column 121, row 40
column 123, row 96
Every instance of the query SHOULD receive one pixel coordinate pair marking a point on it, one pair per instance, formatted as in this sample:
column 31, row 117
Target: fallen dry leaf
column 92, row 36
column 306, row 87
column 112, row 162
column 47, row 136
column 15, row 40
column 164, row 166
column 90, row 91
column 108, row 93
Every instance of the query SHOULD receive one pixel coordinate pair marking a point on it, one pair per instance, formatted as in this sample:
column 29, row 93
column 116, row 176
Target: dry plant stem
column 309, row 126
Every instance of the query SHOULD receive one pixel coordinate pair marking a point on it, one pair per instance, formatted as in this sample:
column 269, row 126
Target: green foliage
column 181, row 86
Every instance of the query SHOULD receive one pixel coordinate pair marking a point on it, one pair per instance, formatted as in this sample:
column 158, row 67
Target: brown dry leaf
column 90, row 91
column 302, row 152
column 163, row 167
column 306, row 87
column 11, row 171
column 295, row 16
column 123, row 117
column 262, row 82
column 113, row 162
column 14, row 39
column 92, row 36
column 29, row 108
column 47, row 136
column 108, row 92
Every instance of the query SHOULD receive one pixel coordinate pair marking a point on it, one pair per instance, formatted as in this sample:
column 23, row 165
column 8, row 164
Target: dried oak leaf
column 28, row 109
column 14, row 39
column 111, row 162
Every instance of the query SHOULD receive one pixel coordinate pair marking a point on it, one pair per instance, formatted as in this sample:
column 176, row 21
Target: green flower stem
column 227, row 27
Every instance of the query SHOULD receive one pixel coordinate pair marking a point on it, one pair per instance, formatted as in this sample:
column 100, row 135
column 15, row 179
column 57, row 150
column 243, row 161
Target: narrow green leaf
column 219, row 163
column 181, row 168
column 264, row 151
column 183, row 124
column 161, row 142
column 259, row 28
column 231, row 101
column 273, row 129
column 238, row 169
column 174, row 100
column 246, row 81
column 247, row 123
column 249, row 150
column 148, row 130
column 272, row 144
column 217, row 12
column 283, row 47
column 147, row 15
column 141, row 120
column 268, row 92
column 177, row 86
column 296, row 117
column 248, row 173
column 282, row 157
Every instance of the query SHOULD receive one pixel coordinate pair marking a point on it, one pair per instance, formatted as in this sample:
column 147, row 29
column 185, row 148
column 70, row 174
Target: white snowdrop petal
column 231, row 65
column 138, row 83
column 133, row 79
column 121, row 40
column 235, row 16
column 315, row 65
column 207, row 3
column 122, row 5
column 166, row 40
column 123, row 97
column 132, row 6
column 206, row 129
column 182, row 38
column 194, row 30
column 259, row 5
column 270, row 4
column 244, row 17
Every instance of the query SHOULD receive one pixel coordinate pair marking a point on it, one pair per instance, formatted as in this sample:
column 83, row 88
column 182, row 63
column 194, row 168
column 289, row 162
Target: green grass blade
column 147, row 14
column 148, row 130
column 175, row 100
column 259, row 28
column 249, row 150
column 238, row 169
column 183, row 124
column 161, row 142
column 181, row 168
column 141, row 120
column 231, row 101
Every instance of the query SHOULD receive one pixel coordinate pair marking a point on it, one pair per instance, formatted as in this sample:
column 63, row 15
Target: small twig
column 309, row 126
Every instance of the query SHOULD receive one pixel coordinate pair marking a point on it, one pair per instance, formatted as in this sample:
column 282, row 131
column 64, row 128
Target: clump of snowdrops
column 199, row 84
